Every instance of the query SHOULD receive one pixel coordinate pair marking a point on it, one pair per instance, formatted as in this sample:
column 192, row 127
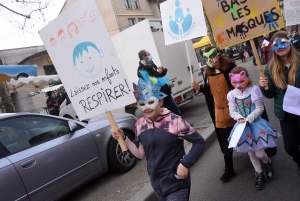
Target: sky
column 11, row 36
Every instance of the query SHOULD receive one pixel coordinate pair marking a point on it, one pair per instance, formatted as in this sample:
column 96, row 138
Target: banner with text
column 235, row 21
column 292, row 12
column 86, row 60
column 182, row 20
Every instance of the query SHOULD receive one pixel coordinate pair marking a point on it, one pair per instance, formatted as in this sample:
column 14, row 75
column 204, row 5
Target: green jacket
column 276, row 93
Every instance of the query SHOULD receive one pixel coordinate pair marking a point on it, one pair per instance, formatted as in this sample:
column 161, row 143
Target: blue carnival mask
column 149, row 90
column 280, row 43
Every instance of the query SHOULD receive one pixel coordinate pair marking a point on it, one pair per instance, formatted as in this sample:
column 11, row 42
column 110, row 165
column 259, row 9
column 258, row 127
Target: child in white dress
column 246, row 105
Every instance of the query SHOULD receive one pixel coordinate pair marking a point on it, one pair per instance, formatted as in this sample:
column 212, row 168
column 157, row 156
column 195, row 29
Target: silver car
column 44, row 157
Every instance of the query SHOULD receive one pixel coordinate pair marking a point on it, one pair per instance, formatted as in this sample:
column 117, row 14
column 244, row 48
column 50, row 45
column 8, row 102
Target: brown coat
column 219, row 90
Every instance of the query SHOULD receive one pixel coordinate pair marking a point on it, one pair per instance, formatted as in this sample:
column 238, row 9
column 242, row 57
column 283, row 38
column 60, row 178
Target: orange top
column 219, row 90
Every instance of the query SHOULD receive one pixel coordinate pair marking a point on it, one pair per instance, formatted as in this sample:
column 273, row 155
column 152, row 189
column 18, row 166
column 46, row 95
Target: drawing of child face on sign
column 61, row 35
column 81, row 21
column 87, row 59
column 93, row 16
column 72, row 29
column 52, row 41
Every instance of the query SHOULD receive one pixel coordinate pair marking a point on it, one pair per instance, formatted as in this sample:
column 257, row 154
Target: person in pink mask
column 246, row 106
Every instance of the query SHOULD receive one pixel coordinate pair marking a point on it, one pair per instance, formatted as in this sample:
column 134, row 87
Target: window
column 136, row 4
column 128, row 4
column 131, row 21
column 50, row 70
column 21, row 133
column 141, row 19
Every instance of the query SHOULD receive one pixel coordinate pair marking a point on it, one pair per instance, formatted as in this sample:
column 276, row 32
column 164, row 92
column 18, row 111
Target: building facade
column 121, row 14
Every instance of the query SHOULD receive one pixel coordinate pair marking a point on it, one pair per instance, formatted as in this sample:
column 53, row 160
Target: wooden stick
column 114, row 126
column 261, row 72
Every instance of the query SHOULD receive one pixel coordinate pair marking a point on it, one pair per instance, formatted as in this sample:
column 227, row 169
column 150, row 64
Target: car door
column 50, row 159
column 11, row 186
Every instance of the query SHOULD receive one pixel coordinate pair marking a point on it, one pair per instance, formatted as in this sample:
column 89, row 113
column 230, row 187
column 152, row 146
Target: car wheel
column 117, row 161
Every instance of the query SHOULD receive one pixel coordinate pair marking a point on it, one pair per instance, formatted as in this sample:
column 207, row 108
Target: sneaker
column 269, row 169
column 259, row 180
column 228, row 174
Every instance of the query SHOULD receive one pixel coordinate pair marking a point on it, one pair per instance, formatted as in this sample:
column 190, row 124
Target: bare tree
column 23, row 13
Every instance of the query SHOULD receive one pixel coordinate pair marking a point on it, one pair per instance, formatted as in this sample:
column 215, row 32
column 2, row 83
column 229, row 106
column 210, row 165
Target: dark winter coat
column 276, row 93
column 163, row 144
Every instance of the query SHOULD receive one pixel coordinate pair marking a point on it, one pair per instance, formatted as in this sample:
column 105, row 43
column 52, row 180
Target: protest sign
column 235, row 21
column 292, row 12
column 182, row 20
column 86, row 61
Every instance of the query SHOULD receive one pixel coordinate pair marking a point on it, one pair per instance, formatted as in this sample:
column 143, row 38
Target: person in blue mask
column 146, row 64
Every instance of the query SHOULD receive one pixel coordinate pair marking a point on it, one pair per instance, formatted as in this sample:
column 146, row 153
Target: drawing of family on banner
column 86, row 61
column 182, row 20
column 235, row 21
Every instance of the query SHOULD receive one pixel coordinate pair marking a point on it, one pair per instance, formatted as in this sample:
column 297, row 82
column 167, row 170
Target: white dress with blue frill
column 249, row 105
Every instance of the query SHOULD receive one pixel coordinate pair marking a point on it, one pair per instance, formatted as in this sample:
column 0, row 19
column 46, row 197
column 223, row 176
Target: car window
column 21, row 133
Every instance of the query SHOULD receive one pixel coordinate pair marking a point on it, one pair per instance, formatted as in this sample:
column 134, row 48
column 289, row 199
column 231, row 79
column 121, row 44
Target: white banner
column 86, row 60
column 182, row 20
column 292, row 12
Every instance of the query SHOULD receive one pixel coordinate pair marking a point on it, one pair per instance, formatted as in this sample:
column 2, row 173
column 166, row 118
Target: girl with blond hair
column 283, row 70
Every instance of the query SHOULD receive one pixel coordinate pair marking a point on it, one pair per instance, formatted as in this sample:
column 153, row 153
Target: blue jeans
column 170, row 104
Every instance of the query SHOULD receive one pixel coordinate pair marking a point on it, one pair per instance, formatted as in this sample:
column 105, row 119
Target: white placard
column 291, row 101
column 182, row 20
column 238, row 131
column 292, row 12
column 86, row 60
column 265, row 43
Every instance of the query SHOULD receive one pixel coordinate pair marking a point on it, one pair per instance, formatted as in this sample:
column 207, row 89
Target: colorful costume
column 161, row 140
column 248, row 105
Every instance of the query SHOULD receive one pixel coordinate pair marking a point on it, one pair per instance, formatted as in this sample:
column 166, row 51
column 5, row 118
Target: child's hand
column 182, row 172
column 117, row 134
column 241, row 120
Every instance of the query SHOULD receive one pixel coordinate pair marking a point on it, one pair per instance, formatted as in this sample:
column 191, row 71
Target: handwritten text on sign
column 235, row 21
column 86, row 61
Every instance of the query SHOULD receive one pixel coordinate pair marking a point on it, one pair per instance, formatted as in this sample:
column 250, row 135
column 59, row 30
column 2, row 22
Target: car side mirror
column 72, row 126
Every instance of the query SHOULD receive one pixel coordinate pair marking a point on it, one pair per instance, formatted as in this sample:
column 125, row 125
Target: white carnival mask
column 151, row 103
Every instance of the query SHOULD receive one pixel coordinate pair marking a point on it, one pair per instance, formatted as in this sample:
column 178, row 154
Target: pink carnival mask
column 239, row 81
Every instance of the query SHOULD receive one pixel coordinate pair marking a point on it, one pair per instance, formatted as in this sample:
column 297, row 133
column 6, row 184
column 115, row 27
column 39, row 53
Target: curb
column 147, row 193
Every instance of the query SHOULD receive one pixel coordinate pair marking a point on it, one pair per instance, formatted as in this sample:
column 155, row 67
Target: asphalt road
column 206, row 173
column 115, row 187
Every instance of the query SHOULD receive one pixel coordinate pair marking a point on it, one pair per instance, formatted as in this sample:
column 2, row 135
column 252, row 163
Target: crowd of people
column 233, row 100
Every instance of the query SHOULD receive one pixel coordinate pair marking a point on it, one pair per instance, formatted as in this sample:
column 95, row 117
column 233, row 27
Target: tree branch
column 15, row 12
column 24, row 1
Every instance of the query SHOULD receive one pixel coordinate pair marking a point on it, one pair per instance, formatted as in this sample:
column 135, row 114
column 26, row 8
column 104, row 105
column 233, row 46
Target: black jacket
column 163, row 145
column 152, row 70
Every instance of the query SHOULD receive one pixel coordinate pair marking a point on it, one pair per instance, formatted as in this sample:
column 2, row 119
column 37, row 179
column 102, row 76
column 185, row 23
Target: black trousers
column 290, row 128
column 224, row 134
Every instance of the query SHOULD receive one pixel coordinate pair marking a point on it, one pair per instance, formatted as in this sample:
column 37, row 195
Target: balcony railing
column 128, row 6
column 137, row 6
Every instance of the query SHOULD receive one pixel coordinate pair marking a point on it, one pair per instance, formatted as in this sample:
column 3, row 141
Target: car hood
column 102, row 121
